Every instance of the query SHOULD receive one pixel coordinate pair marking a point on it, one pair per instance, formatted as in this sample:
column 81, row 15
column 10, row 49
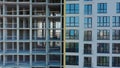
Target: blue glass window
column 118, row 7
column 88, row 9
column 72, row 34
column 116, row 21
column 103, row 21
column 72, row 21
column 72, row 8
column 102, row 8
column 88, row 22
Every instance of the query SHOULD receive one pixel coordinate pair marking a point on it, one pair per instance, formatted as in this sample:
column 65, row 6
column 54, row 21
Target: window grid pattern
column 72, row 60
column 72, row 34
column 116, row 48
column 87, row 48
column 103, row 48
column 72, row 47
column 116, row 34
column 116, row 21
column 72, row 21
column 103, row 21
column 87, row 61
column 103, row 34
column 72, row 8
column 88, row 35
column 118, row 7
column 115, row 61
column 88, row 9
column 102, row 8
column 88, row 22
column 102, row 61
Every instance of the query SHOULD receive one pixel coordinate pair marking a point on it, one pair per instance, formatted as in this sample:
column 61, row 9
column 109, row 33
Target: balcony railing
column 23, row 38
column 11, row 51
column 24, row 51
column 11, row 38
column 24, row 63
column 54, row 62
column 38, row 38
column 39, row 63
column 11, row 63
column 54, row 49
column 38, row 50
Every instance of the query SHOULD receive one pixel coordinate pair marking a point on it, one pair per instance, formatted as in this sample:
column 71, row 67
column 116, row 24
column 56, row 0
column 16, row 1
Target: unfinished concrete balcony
column 24, row 23
column 11, row 23
column 55, row 34
column 10, row 47
column 11, row 10
column 24, row 34
column 38, row 34
column 54, row 10
column 11, row 60
column 38, row 23
column 24, row 48
column 39, row 60
column 11, row 34
column 39, row 10
column 54, row 60
column 55, row 47
column 24, row 10
column 24, row 60
column 38, row 47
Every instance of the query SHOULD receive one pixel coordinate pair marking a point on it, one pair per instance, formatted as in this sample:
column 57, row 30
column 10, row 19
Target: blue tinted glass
column 72, row 32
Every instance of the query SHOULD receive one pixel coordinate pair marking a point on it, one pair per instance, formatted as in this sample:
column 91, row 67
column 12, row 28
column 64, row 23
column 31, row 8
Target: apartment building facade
column 92, row 33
